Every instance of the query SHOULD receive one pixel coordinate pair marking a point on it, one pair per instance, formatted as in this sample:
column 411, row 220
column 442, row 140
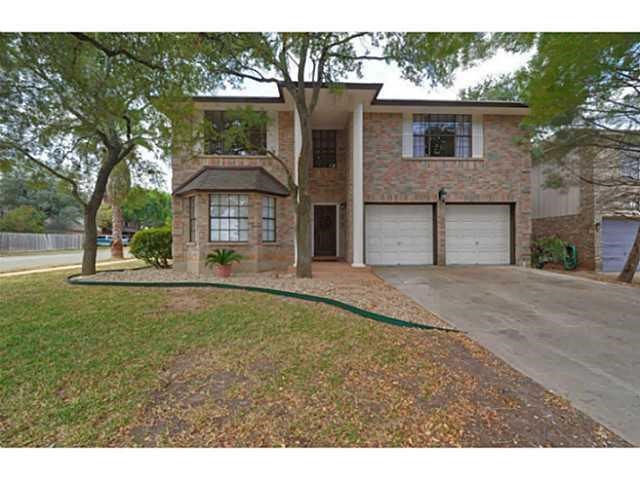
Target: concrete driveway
column 577, row 337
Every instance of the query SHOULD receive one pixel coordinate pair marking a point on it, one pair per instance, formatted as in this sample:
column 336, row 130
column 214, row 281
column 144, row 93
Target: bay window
column 229, row 217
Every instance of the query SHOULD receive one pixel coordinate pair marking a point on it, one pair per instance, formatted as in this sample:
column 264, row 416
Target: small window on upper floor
column 630, row 166
column 324, row 148
column 442, row 136
column 220, row 123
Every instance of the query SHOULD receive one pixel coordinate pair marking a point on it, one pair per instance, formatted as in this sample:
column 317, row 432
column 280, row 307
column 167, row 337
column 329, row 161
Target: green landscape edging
column 255, row 289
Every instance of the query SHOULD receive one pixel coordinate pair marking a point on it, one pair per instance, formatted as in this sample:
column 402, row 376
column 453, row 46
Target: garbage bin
column 570, row 260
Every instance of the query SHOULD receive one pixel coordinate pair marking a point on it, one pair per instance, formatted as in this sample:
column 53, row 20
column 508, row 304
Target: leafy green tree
column 23, row 219
column 20, row 186
column 584, row 93
column 76, row 105
column 305, row 62
column 501, row 88
column 147, row 207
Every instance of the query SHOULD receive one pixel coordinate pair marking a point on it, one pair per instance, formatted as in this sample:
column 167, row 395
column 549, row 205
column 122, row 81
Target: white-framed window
column 268, row 219
column 442, row 135
column 228, row 217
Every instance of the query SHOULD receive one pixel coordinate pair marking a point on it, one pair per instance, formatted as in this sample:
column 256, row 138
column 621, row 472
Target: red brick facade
column 500, row 176
column 258, row 256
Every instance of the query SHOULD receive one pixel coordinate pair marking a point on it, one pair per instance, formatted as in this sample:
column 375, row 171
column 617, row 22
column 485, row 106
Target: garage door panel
column 478, row 234
column 399, row 234
column 617, row 239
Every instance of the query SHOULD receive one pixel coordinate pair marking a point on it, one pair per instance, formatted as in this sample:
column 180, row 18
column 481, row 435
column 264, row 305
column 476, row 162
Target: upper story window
column 324, row 148
column 192, row 219
column 229, row 217
column 268, row 219
column 442, row 136
column 630, row 166
column 216, row 144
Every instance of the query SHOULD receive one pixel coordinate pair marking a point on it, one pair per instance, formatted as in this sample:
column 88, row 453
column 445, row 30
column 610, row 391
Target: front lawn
column 116, row 366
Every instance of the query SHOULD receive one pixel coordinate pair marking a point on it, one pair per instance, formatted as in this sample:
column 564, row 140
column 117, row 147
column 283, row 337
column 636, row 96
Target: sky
column 397, row 88
column 394, row 86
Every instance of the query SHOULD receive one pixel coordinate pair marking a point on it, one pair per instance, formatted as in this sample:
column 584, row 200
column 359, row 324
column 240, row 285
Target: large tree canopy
column 75, row 105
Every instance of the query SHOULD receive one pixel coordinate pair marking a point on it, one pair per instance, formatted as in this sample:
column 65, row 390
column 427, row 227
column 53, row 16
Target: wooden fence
column 39, row 241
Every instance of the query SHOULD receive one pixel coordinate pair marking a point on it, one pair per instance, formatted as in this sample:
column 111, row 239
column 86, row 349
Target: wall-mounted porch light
column 442, row 194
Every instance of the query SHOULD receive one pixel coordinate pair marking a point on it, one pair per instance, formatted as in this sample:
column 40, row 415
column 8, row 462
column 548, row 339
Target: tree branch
column 74, row 185
column 114, row 52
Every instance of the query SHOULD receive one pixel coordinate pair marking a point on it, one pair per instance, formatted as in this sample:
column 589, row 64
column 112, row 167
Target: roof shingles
column 250, row 178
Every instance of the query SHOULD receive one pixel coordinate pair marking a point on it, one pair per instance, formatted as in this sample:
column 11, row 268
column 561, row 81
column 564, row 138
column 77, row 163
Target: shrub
column 223, row 257
column 153, row 246
column 548, row 249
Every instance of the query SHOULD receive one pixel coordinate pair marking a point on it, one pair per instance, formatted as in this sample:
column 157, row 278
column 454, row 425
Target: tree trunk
column 117, row 223
column 303, row 210
column 90, row 246
column 633, row 259
column 303, row 238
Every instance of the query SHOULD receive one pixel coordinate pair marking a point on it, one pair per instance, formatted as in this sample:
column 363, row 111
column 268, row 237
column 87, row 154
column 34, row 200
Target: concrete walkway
column 579, row 338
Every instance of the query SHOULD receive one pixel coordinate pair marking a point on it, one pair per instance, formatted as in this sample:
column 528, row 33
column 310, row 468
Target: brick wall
column 258, row 256
column 576, row 229
column 501, row 176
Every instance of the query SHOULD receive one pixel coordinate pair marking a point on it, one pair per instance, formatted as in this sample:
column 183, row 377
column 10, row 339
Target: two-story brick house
column 406, row 182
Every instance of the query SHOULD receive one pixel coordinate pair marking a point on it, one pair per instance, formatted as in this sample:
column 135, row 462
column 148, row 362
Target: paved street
column 34, row 261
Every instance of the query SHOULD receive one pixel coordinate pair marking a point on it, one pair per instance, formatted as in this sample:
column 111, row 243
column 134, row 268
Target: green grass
column 76, row 362
column 119, row 366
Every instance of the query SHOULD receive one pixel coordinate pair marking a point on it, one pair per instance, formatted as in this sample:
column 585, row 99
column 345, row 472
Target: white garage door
column 399, row 234
column 478, row 234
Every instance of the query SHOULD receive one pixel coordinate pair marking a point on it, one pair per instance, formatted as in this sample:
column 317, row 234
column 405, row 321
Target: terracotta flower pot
column 223, row 271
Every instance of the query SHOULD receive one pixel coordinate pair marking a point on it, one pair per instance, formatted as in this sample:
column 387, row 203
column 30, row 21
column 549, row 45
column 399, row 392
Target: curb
column 73, row 279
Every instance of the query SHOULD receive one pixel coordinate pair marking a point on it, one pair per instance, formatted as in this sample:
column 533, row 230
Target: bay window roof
column 233, row 178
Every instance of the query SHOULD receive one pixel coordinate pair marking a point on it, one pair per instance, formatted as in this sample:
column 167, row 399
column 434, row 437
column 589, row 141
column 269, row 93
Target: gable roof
column 233, row 178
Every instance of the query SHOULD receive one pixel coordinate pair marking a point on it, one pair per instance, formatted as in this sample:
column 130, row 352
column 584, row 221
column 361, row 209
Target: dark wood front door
column 324, row 230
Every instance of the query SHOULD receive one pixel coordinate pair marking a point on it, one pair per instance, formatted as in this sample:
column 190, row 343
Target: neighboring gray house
column 602, row 221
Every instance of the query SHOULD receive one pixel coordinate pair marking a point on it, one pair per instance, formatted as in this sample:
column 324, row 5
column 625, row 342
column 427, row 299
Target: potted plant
column 223, row 259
